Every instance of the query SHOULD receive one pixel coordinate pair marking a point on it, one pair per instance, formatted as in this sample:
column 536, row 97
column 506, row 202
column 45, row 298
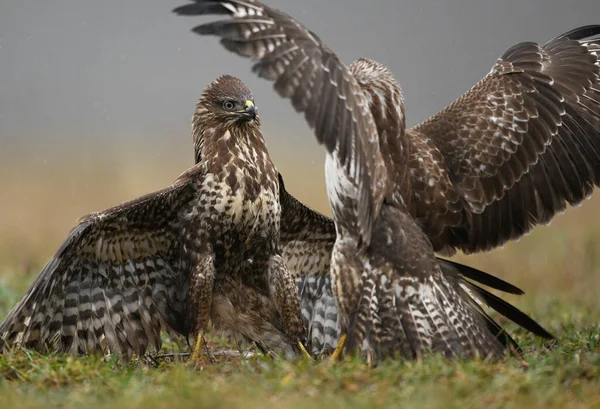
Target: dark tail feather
column 509, row 311
column 501, row 335
column 480, row 276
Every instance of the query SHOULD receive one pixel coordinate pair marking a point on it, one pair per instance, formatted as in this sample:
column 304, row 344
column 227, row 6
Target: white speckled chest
column 240, row 207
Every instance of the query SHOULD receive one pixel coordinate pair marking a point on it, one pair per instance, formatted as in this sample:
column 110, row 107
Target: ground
column 557, row 266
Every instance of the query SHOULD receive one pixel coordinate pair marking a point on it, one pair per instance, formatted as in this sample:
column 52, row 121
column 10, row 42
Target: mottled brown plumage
column 391, row 294
column 514, row 150
column 337, row 127
column 307, row 240
column 205, row 248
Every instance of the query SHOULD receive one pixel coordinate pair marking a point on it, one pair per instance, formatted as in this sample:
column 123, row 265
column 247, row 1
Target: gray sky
column 76, row 74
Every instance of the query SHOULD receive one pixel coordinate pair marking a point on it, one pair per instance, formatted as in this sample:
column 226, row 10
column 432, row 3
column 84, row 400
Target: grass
column 557, row 266
column 564, row 377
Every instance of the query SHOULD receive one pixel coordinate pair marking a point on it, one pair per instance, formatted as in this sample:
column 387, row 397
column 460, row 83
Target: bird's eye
column 228, row 105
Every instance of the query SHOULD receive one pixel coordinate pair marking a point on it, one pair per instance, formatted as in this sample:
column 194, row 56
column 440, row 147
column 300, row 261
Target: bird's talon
column 339, row 349
column 304, row 352
column 198, row 359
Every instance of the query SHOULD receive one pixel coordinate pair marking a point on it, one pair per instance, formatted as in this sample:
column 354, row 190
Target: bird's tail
column 319, row 313
column 321, row 318
column 412, row 304
column 463, row 279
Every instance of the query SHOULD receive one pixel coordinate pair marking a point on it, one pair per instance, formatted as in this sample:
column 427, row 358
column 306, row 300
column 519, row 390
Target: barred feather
column 307, row 241
column 391, row 294
column 205, row 248
column 112, row 286
column 432, row 315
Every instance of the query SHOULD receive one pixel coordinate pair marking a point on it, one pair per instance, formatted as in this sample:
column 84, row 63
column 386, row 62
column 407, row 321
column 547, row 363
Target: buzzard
column 505, row 156
column 307, row 240
column 206, row 247
column 126, row 273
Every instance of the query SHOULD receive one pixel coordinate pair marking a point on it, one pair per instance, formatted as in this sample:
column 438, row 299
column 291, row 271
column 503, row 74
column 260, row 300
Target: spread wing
column 307, row 239
column 308, row 73
column 114, row 283
column 511, row 152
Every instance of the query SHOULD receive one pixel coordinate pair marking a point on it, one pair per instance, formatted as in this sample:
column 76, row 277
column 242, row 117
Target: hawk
column 307, row 240
column 125, row 274
column 206, row 247
column 505, row 156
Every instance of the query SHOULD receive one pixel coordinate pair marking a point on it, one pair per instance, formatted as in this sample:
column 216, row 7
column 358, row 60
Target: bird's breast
column 246, row 211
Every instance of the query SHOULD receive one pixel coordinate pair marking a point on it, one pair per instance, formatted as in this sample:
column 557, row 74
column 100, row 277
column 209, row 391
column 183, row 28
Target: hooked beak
column 250, row 111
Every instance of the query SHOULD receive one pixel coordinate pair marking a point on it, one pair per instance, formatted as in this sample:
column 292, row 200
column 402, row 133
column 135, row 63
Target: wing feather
column 516, row 148
column 112, row 286
column 307, row 239
column 318, row 84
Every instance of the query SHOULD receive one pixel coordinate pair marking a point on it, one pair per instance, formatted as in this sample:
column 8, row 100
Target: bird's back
column 407, row 305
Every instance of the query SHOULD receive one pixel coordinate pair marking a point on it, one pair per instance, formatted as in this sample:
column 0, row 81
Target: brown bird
column 307, row 240
column 505, row 156
column 207, row 247
column 123, row 274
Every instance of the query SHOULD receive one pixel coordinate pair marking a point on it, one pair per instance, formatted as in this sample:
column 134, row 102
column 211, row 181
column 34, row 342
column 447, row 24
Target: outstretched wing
column 307, row 239
column 115, row 282
column 308, row 73
column 511, row 152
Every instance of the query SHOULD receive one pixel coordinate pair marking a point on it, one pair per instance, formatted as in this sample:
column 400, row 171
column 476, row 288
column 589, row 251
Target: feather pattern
column 391, row 295
column 204, row 249
column 113, row 284
column 309, row 74
column 307, row 240
column 514, row 150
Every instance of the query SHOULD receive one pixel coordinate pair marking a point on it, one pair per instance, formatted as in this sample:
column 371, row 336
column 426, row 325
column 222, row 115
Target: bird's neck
column 218, row 143
column 237, row 155
column 394, row 145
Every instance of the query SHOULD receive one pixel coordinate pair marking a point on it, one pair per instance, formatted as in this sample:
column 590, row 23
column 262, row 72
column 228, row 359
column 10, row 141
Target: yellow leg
column 337, row 354
column 304, row 351
column 197, row 358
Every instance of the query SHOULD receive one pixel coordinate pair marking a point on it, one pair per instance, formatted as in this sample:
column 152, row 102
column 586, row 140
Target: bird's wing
column 308, row 73
column 307, row 239
column 115, row 282
column 511, row 152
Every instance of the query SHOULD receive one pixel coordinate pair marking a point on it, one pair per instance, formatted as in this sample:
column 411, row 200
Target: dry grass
column 557, row 266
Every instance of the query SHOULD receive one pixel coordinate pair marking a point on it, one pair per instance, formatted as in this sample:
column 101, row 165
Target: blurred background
column 96, row 99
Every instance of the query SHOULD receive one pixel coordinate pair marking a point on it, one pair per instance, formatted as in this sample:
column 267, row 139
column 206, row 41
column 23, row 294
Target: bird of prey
column 205, row 247
column 307, row 240
column 505, row 156
column 125, row 274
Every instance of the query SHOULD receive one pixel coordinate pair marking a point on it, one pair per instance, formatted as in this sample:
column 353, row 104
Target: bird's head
column 383, row 93
column 226, row 105
column 229, row 101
